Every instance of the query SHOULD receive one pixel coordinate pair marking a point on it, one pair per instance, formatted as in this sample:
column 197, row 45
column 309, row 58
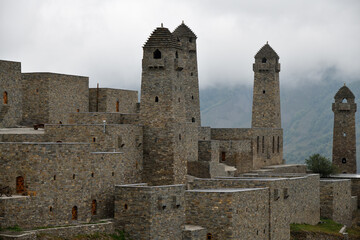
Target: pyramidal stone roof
column 161, row 37
column 184, row 31
column 344, row 92
column 267, row 52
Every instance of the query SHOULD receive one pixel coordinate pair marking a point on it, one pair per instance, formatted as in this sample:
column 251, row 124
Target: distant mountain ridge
column 307, row 117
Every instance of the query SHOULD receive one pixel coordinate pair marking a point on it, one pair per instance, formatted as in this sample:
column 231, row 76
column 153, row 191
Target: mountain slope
column 307, row 118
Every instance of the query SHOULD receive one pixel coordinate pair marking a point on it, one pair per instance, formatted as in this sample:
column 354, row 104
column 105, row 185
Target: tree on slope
column 320, row 164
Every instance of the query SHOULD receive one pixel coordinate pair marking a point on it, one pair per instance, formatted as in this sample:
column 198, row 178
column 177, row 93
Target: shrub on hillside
column 320, row 164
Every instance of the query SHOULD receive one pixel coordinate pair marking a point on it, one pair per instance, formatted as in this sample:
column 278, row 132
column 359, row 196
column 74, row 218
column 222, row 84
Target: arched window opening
column 5, row 96
column 20, row 186
column 209, row 236
column 263, row 60
column 343, row 160
column 223, row 156
column 344, row 100
column 344, row 134
column 176, row 54
column 117, row 106
column 74, row 213
column 193, row 119
column 156, row 99
column 93, row 207
column 157, row 54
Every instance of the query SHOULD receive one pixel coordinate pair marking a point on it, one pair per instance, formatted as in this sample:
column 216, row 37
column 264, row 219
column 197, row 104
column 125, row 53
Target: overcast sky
column 103, row 39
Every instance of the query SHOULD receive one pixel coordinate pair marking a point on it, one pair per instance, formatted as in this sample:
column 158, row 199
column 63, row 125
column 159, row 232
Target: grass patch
column 325, row 226
column 15, row 228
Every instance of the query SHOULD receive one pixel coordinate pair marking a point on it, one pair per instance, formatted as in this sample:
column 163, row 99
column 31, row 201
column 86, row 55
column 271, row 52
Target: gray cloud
column 103, row 39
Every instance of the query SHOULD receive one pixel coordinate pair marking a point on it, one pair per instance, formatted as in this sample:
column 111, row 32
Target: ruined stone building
column 150, row 167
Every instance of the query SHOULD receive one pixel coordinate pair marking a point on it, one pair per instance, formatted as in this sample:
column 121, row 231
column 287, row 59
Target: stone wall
column 100, row 117
column 150, row 212
column 355, row 184
column 335, row 199
column 230, row 213
column 11, row 94
column 58, row 177
column 49, row 97
column 112, row 100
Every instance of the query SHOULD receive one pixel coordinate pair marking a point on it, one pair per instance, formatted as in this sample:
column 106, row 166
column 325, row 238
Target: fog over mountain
column 307, row 117
column 103, row 39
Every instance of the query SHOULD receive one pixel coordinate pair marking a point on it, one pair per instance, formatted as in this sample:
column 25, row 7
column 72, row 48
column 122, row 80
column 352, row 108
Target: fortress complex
column 150, row 168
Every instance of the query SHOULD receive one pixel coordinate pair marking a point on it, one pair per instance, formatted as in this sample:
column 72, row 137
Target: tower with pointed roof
column 187, row 40
column 266, row 92
column 162, row 110
column 344, row 138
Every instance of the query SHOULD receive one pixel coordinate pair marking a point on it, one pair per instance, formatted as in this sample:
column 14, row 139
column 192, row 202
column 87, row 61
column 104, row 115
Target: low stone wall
column 192, row 232
column 67, row 232
column 335, row 195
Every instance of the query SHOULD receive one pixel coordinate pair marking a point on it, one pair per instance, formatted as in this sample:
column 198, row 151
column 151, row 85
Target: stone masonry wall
column 49, row 97
column 230, row 213
column 336, row 200
column 150, row 212
column 99, row 117
column 11, row 95
column 112, row 100
column 57, row 177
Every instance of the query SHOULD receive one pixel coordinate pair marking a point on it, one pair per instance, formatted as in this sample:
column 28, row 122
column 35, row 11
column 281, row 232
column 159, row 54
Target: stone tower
column 266, row 95
column 187, row 40
column 162, row 110
column 344, row 138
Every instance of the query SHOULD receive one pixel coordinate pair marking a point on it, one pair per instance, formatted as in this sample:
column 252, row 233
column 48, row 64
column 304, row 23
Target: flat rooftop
column 225, row 190
column 21, row 131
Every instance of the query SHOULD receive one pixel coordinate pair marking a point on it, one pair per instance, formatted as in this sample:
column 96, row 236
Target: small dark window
column 273, row 145
column 263, row 144
column 223, row 156
column 278, row 144
column 179, row 99
column 179, row 136
column 176, row 54
column 74, row 213
column 276, row 194
column 5, row 97
column 125, row 206
column 93, row 207
column 73, row 176
column 190, row 39
column 157, row 54
column 94, row 139
column 156, row 99
column 257, row 144
column 191, row 74
column 122, row 145
column 178, row 39
column 343, row 160
column 77, row 110
column 286, row 193
column 37, row 90
column 264, row 60
column 117, row 106
column 51, row 209
column 192, row 97
column 60, row 122
column 92, row 174
column 209, row 236
column 263, row 91
column 54, row 177
column 112, row 174
column 20, row 184
column 193, row 119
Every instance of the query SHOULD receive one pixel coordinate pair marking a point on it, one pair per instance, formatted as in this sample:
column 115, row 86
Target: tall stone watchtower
column 344, row 138
column 162, row 110
column 187, row 39
column 266, row 95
